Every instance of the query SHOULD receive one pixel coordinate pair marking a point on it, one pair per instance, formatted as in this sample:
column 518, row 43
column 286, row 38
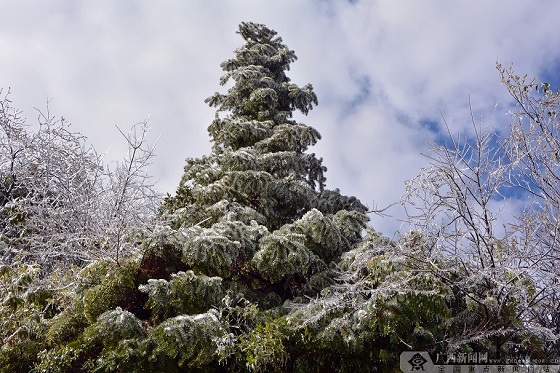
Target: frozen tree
column 532, row 147
column 250, row 227
column 505, row 266
column 59, row 202
column 257, row 206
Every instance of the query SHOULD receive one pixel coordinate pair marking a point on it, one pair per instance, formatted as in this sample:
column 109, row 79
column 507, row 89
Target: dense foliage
column 254, row 265
column 59, row 203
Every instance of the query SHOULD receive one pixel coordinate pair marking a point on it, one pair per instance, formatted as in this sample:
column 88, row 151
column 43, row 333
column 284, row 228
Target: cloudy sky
column 384, row 72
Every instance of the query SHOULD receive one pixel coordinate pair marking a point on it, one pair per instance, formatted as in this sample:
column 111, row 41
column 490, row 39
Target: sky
column 386, row 74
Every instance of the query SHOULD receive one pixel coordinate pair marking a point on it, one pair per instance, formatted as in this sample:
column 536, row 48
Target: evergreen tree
column 251, row 227
column 256, row 209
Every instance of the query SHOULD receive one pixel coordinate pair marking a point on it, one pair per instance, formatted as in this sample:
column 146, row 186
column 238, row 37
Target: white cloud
column 108, row 63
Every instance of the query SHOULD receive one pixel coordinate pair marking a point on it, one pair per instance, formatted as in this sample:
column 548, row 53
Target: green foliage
column 186, row 293
column 256, row 338
column 116, row 289
column 381, row 308
column 67, row 325
column 187, row 339
column 263, row 348
column 112, row 330
column 222, row 249
column 56, row 360
column 262, row 90
column 24, row 308
column 282, row 254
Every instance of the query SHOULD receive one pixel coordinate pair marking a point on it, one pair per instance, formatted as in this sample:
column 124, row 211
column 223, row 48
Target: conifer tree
column 256, row 208
column 250, row 228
